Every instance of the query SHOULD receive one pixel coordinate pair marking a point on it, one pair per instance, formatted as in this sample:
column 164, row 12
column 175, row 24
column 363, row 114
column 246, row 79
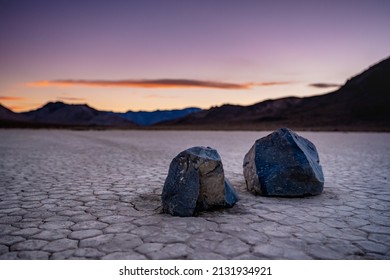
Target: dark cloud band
column 158, row 83
column 324, row 85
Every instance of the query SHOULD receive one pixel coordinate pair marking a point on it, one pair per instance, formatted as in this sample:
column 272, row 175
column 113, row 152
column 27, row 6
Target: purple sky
column 122, row 55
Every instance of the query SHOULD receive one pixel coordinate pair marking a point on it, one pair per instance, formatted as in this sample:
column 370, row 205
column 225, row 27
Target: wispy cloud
column 11, row 98
column 157, row 83
column 324, row 85
column 267, row 84
column 71, row 98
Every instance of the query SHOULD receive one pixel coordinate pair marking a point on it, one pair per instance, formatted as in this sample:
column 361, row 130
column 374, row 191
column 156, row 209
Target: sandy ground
column 96, row 195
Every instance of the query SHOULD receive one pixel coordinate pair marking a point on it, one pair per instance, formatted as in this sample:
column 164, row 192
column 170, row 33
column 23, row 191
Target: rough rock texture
column 196, row 182
column 283, row 164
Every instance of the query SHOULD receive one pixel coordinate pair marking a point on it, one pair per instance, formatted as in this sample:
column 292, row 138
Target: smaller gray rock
column 196, row 182
column 283, row 164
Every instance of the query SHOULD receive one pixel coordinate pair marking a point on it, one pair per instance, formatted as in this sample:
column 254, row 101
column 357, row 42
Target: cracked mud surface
column 96, row 195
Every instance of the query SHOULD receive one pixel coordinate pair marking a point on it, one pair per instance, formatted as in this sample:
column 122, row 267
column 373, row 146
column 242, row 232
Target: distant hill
column 9, row 116
column 144, row 118
column 361, row 104
column 59, row 113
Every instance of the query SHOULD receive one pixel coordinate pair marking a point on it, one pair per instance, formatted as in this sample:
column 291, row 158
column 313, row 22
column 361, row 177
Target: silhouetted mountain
column 6, row 115
column 361, row 104
column 59, row 113
column 148, row 118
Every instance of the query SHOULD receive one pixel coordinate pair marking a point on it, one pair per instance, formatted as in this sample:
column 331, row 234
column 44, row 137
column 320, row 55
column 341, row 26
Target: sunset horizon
column 132, row 55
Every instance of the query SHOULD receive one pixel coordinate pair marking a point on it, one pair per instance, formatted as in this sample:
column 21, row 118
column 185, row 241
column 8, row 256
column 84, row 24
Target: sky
column 135, row 55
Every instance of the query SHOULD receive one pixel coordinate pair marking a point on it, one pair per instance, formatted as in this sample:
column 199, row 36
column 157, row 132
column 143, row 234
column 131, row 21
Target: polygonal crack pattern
column 96, row 195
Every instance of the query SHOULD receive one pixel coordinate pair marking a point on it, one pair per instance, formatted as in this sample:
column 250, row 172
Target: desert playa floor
column 96, row 195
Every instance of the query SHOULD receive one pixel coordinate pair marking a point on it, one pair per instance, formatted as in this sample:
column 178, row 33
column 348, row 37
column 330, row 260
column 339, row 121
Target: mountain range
column 7, row 116
column 362, row 103
column 144, row 118
column 61, row 115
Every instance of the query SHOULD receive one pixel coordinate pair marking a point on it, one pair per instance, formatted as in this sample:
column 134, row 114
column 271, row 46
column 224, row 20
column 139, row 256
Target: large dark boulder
column 196, row 182
column 283, row 164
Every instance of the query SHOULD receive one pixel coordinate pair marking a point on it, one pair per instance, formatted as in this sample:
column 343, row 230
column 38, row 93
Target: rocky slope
column 361, row 104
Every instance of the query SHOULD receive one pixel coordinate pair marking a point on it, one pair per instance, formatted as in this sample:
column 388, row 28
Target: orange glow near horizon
column 11, row 98
column 159, row 94
column 17, row 108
